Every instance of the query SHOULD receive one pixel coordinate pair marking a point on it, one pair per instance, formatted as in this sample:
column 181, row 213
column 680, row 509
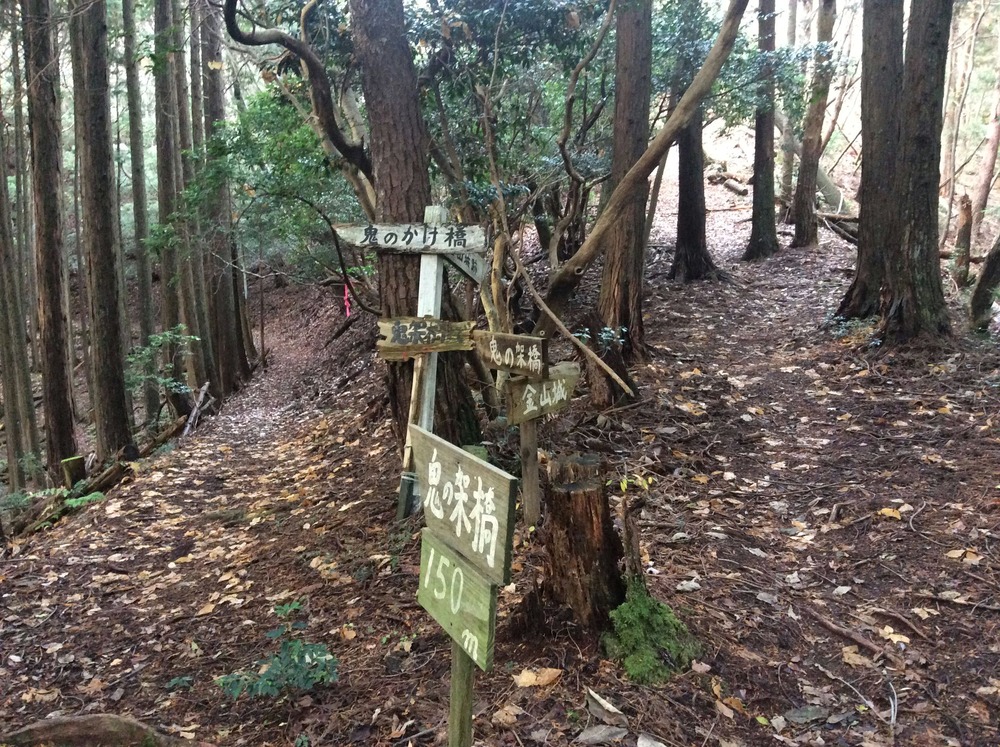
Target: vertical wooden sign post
column 433, row 239
column 464, row 555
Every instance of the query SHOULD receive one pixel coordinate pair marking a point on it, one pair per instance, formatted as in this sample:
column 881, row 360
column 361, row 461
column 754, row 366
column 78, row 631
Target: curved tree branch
column 319, row 83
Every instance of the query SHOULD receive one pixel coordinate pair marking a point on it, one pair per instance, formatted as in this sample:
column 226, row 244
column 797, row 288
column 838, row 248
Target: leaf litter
column 831, row 517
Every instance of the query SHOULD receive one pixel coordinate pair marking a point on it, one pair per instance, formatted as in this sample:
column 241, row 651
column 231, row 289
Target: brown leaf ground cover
column 824, row 518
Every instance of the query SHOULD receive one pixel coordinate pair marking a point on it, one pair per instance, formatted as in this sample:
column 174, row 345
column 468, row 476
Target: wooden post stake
column 463, row 677
column 425, row 367
column 530, row 491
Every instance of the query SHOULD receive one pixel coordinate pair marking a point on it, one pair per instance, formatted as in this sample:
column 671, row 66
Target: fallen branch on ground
column 95, row 730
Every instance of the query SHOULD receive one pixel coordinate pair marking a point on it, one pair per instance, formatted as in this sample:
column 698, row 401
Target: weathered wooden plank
column 456, row 595
column 473, row 265
column 468, row 502
column 527, row 398
column 405, row 337
column 416, row 238
column 519, row 354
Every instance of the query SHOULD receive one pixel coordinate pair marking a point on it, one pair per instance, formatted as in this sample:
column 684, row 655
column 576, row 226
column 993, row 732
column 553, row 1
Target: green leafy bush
column 85, row 500
column 648, row 639
column 298, row 666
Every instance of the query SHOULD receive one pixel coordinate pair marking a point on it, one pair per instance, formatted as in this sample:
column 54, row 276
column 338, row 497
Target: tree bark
column 231, row 359
column 691, row 258
column 981, row 303
column 804, row 201
column 583, row 549
column 108, row 399
column 140, row 211
column 43, row 114
column 620, row 301
column 913, row 301
column 763, row 232
column 166, row 176
column 963, row 242
column 881, row 81
column 787, row 135
column 402, row 188
column 984, row 179
column 569, row 275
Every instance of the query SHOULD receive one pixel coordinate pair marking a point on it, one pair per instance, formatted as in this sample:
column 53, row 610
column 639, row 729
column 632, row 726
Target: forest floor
column 825, row 518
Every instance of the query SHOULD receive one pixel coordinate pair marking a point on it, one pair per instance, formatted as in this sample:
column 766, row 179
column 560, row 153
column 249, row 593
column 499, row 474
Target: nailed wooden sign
column 417, row 238
column 528, row 399
column 404, row 337
column 458, row 597
column 519, row 354
column 467, row 502
column 473, row 265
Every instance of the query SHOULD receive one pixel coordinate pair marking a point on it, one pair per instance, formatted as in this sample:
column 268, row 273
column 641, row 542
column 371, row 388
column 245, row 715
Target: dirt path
column 824, row 521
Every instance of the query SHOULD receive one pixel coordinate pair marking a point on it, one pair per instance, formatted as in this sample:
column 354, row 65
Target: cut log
column 74, row 469
column 95, row 730
column 734, row 186
column 583, row 549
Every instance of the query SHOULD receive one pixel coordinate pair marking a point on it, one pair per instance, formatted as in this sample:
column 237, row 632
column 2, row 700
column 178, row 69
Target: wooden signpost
column 465, row 553
column 517, row 354
column 407, row 337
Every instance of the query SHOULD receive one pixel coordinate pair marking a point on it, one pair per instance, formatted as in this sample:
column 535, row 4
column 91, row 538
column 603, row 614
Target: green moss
column 648, row 639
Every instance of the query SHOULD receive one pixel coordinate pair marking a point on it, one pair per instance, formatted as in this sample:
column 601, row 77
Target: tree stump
column 74, row 470
column 583, row 549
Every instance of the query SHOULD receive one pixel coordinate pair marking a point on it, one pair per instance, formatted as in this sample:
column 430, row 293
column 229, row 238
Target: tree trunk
column 583, row 549
column 963, row 242
column 981, row 304
column 881, row 81
column 620, row 302
column 913, row 302
column 787, row 135
column 402, row 187
column 949, row 126
column 151, row 393
column 90, row 40
column 166, row 176
column 963, row 81
column 231, row 359
column 691, row 258
column 43, row 113
column 804, row 201
column 563, row 282
column 763, row 232
column 984, row 179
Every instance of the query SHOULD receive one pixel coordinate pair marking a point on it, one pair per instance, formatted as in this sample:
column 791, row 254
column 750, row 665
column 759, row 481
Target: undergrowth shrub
column 297, row 666
column 647, row 638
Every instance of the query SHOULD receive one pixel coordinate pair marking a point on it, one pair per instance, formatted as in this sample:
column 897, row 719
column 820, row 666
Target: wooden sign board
column 458, row 597
column 519, row 354
column 405, row 337
column 417, row 238
column 528, row 399
column 473, row 265
column 467, row 502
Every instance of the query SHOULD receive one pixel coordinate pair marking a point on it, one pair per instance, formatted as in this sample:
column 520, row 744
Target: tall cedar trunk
column 963, row 79
column 15, row 374
column 193, row 303
column 22, row 208
column 788, row 134
column 913, row 300
column 43, row 115
column 804, row 201
column 691, row 258
column 402, row 187
column 231, row 360
column 948, row 127
column 140, row 212
column 763, row 232
column 90, row 40
column 620, row 302
column 166, row 180
column 981, row 303
column 881, row 82
column 984, row 179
